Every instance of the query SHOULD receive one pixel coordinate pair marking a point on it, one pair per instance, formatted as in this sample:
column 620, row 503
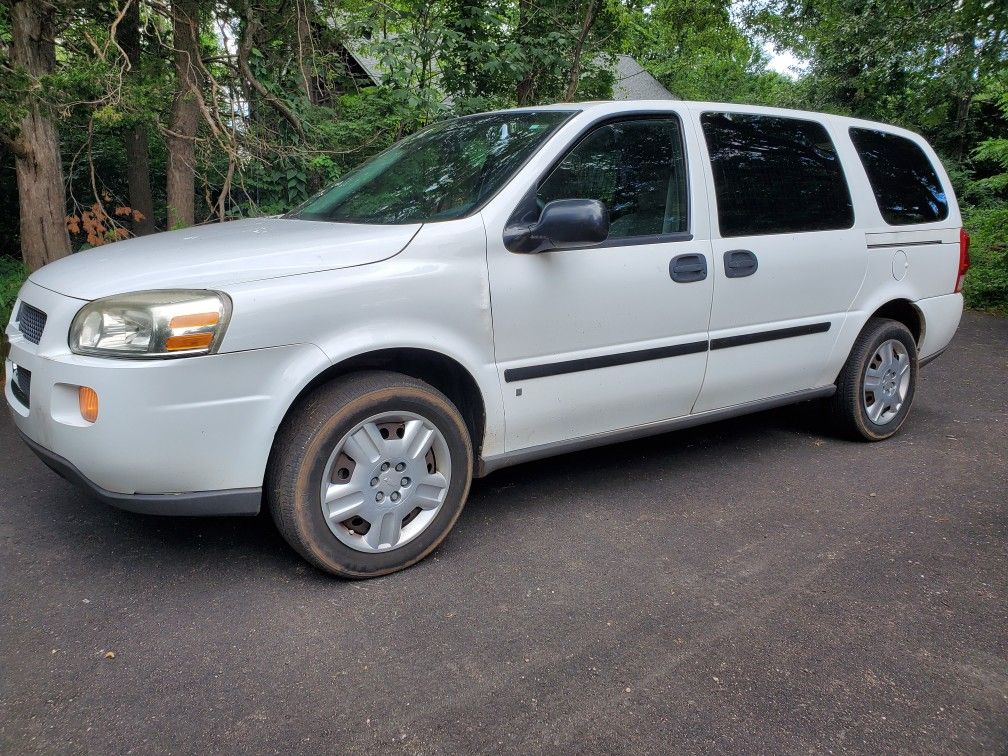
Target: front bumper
column 185, row 436
column 240, row 501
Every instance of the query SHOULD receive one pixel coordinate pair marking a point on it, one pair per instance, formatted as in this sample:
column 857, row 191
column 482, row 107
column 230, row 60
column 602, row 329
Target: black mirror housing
column 563, row 224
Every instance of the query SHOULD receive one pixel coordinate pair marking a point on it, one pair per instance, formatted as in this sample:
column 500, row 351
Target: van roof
column 625, row 106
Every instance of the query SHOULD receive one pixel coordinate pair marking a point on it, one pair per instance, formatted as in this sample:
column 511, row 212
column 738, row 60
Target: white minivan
column 493, row 289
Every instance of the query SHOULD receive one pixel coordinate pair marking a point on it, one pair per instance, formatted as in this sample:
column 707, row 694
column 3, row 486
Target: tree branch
column 244, row 48
column 16, row 146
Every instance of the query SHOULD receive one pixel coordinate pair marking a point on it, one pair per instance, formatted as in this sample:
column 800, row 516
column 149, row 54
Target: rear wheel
column 370, row 474
column 876, row 386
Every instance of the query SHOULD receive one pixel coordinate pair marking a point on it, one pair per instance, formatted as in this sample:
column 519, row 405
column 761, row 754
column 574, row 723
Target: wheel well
column 903, row 311
column 440, row 371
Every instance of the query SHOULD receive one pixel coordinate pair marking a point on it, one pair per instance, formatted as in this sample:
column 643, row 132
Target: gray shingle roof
column 634, row 83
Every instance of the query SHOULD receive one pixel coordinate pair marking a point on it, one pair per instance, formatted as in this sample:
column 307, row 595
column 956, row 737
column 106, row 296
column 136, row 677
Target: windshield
column 441, row 173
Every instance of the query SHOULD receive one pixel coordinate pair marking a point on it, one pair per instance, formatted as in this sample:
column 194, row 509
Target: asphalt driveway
column 751, row 586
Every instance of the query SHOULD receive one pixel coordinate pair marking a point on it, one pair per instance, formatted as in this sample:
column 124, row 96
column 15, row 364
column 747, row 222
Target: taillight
column 963, row 258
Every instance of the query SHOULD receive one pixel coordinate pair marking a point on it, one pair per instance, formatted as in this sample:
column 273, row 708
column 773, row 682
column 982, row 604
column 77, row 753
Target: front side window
column 775, row 175
column 441, row 173
column 904, row 182
column 636, row 168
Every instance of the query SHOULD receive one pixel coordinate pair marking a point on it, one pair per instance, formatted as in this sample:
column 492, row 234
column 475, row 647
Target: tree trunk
column 135, row 137
column 138, row 177
column 574, row 77
column 306, row 51
column 41, row 194
column 181, row 137
column 526, row 87
column 525, row 92
column 245, row 44
column 963, row 103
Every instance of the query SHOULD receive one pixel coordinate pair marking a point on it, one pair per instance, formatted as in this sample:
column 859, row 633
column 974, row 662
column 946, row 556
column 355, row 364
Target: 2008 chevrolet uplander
column 491, row 290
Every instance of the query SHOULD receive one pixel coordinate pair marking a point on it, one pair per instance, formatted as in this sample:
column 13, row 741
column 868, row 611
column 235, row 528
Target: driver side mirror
column 563, row 224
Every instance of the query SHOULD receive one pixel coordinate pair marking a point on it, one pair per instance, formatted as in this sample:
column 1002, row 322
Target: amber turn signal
column 195, row 320
column 188, row 341
column 88, row 399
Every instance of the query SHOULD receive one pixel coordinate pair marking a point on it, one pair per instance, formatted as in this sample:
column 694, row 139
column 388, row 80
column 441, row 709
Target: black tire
column 847, row 406
column 308, row 437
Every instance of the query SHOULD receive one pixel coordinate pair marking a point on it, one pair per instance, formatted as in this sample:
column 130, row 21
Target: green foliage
column 895, row 60
column 986, row 284
column 13, row 101
column 355, row 127
column 995, row 149
column 699, row 53
column 12, row 275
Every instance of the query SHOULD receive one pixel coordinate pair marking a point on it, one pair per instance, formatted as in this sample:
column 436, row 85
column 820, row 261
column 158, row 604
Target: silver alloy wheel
column 385, row 481
column 886, row 381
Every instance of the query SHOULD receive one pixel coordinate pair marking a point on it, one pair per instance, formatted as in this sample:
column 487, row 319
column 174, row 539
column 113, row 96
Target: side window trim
column 522, row 209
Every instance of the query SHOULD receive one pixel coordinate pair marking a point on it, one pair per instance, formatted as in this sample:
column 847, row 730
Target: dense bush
column 986, row 285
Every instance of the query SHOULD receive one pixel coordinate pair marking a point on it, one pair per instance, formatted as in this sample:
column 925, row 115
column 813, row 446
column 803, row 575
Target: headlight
column 151, row 324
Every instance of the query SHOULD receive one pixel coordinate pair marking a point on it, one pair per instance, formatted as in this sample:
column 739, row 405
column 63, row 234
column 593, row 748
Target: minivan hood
column 218, row 254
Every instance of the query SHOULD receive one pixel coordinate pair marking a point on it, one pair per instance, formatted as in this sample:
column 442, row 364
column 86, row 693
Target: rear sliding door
column 786, row 260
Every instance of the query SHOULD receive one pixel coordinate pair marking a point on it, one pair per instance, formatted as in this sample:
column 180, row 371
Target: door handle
column 688, row 268
column 739, row 263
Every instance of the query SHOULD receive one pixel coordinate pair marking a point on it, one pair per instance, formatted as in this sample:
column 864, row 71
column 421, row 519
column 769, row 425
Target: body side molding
column 659, row 353
column 726, row 342
column 606, row 360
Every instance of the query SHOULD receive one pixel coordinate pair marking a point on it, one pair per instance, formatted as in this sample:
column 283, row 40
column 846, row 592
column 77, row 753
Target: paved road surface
column 752, row 586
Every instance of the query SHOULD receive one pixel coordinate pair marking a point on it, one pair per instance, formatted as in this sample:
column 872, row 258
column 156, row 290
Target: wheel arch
column 900, row 309
column 903, row 311
column 444, row 373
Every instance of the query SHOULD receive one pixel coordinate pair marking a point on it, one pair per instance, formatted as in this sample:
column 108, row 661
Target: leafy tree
column 698, row 52
column 994, row 150
column 920, row 65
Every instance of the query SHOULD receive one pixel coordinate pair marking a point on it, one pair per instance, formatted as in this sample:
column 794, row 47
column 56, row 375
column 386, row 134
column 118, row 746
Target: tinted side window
column 775, row 175
column 637, row 168
column 905, row 184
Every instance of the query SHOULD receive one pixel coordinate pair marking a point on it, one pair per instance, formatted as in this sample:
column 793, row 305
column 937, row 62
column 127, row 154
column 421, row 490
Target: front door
column 599, row 339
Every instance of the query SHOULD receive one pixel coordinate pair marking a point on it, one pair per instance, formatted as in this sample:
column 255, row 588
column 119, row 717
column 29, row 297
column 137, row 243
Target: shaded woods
column 126, row 117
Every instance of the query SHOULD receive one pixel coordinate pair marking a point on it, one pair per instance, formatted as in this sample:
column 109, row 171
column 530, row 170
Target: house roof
column 368, row 65
column 632, row 81
column 635, row 83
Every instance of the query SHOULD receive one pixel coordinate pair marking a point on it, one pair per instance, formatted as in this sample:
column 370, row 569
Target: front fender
column 434, row 296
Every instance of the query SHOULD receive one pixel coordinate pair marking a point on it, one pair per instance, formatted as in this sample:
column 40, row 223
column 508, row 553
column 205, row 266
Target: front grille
column 31, row 322
column 21, row 385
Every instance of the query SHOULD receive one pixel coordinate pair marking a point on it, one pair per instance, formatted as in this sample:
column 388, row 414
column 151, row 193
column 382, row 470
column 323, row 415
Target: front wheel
column 876, row 386
column 370, row 474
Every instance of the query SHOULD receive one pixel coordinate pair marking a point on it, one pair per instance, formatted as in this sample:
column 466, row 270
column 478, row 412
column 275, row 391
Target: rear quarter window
column 905, row 183
column 775, row 175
